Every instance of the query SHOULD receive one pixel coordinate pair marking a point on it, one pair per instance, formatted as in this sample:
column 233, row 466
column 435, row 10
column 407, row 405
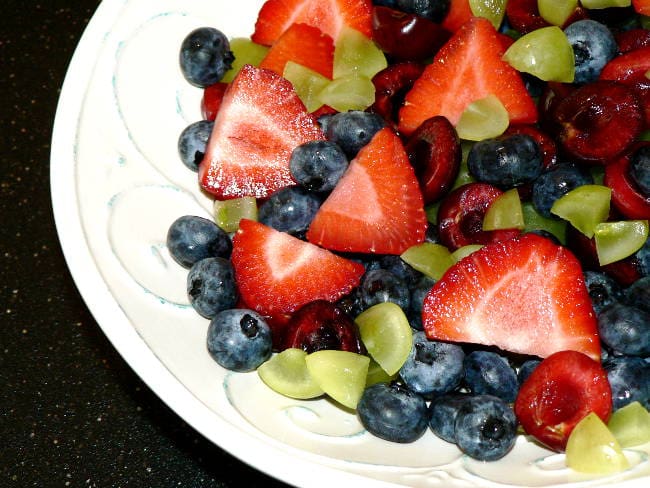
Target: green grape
column 596, row 4
column 493, row 10
column 630, row 425
column 355, row 54
column 428, row 258
column 618, row 240
column 535, row 221
column 483, row 119
column 246, row 52
column 376, row 374
column 228, row 213
column 584, row 207
column 544, row 53
column 387, row 335
column 556, row 12
column 593, row 449
column 464, row 175
column 352, row 92
column 432, row 212
column 505, row 212
column 307, row 83
column 341, row 374
column 287, row 374
column 464, row 251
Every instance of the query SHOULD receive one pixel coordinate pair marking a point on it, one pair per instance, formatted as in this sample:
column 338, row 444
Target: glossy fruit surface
column 630, row 425
column 191, row 238
column 482, row 119
column 205, row 56
column 287, row 374
column 618, row 240
column 584, row 207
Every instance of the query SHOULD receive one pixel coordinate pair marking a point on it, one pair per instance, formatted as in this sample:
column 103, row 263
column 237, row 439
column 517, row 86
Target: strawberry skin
column 629, row 67
column 377, row 206
column 305, row 45
column 525, row 295
column 469, row 67
column 277, row 273
column 561, row 391
column 329, row 16
column 259, row 123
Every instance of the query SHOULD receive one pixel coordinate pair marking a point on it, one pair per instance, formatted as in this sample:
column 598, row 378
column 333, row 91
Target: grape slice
column 376, row 374
column 536, row 221
column 228, row 213
column 246, row 52
column 505, row 212
column 354, row 53
column 286, row 373
column 307, row 83
column 464, row 251
column 584, row 207
column 428, row 258
column 351, row 92
column 630, row 425
column 618, row 240
column 556, row 12
column 493, row 10
column 483, row 119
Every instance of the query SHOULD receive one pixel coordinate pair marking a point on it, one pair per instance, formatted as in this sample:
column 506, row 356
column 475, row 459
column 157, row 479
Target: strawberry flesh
column 524, row 295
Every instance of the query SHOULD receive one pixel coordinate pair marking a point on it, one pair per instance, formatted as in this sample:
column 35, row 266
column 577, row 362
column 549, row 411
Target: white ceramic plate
column 117, row 184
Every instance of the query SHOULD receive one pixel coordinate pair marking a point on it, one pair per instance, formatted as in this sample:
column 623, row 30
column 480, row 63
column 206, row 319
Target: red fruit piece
column 460, row 216
column 523, row 16
column 632, row 39
column 434, row 151
column 377, row 206
column 322, row 325
column 211, row 101
column 302, row 44
column 588, row 118
column 260, row 122
column 469, row 67
column 629, row 67
column 627, row 198
column 329, row 16
column 277, row 273
column 560, row 392
column 641, row 6
column 459, row 13
column 525, row 295
column 391, row 85
column 406, row 37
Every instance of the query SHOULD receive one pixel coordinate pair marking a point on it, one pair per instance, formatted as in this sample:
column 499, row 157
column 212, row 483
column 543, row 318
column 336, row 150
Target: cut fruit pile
column 472, row 182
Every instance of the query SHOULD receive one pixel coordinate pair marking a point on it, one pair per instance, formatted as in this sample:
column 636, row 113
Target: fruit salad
column 433, row 212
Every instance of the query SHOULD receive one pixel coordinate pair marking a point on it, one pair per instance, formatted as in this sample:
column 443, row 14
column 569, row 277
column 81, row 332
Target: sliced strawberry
column 641, row 6
column 629, row 67
column 330, row 16
column 211, row 101
column 302, row 44
column 525, row 295
column 469, row 67
column 260, row 121
column 561, row 391
column 459, row 13
column 277, row 273
column 627, row 197
column 377, row 206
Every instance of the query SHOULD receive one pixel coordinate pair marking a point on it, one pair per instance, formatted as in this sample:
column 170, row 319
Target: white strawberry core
column 285, row 258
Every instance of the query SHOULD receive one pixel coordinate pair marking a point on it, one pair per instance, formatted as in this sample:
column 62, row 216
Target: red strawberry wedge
column 330, row 16
column 524, row 295
column 468, row 68
column 302, row 44
column 259, row 123
column 376, row 207
column 277, row 273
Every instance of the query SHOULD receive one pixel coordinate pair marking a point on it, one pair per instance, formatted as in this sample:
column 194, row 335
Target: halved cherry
column 391, row 85
column 632, row 39
column 434, row 152
column 524, row 16
column 629, row 67
column 626, row 196
column 460, row 217
column 211, row 101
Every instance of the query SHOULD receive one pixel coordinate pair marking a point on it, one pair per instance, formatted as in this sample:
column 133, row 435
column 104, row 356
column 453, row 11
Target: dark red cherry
column 627, row 198
column 212, row 96
column 524, row 16
column 632, row 39
column 391, row 85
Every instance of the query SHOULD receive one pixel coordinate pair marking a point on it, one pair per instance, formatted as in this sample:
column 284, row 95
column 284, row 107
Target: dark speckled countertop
column 72, row 412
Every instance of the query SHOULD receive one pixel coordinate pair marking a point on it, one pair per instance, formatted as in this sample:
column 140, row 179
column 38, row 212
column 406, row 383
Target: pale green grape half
column 355, row 53
column 376, row 374
column 536, row 221
column 464, row 251
column 246, row 52
column 505, row 212
column 428, row 258
column 584, row 207
column 228, row 213
column 352, row 92
column 483, row 119
column 618, row 240
column 307, row 83
column 596, row 4
column 286, row 373
column 556, row 12
column 493, row 10
column 630, row 425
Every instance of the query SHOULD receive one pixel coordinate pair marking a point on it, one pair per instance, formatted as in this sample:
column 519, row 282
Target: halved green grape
column 428, row 258
column 376, row 374
column 618, row 240
column 341, row 374
column 228, row 213
column 493, row 10
column 355, row 53
column 246, row 52
column 352, row 92
column 307, row 83
column 464, row 251
column 287, row 374
column 464, row 175
column 630, row 425
column 592, row 448
column 483, row 119
column 556, row 12
column 584, row 207
column 544, row 53
column 432, row 212
column 536, row 221
column 387, row 335
column 505, row 212
column 595, row 4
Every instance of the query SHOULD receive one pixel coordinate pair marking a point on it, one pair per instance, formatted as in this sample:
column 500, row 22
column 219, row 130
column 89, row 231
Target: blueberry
column 380, row 285
column 211, row 286
column 525, row 369
column 393, row 412
column 629, row 378
column 603, row 290
column 399, row 268
column 488, row 373
column 642, row 257
column 352, row 130
column 556, row 182
column 290, row 210
column 191, row 238
column 239, row 339
column 638, row 294
column 205, row 56
column 193, row 141
column 434, row 10
column 318, row 165
column 432, row 367
column 640, row 169
column 625, row 329
column 506, row 162
column 442, row 415
column 593, row 47
column 418, row 290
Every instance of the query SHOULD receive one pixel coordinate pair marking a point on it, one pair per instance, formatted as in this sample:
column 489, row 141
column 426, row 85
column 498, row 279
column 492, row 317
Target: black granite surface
column 72, row 412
